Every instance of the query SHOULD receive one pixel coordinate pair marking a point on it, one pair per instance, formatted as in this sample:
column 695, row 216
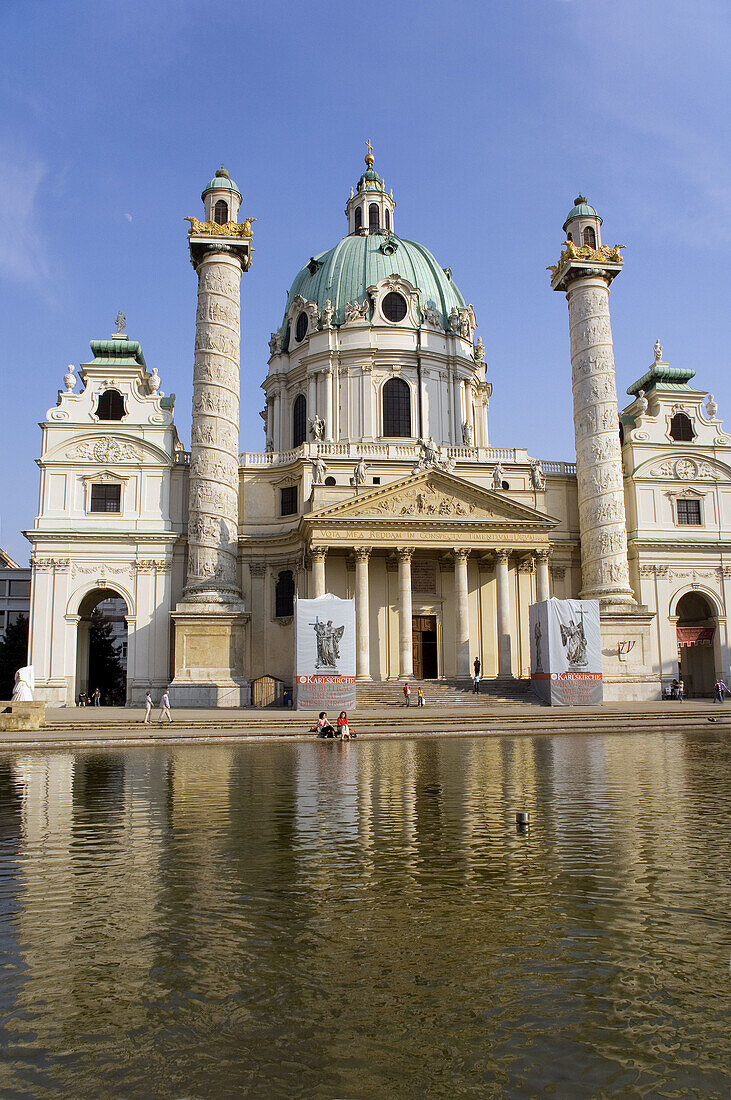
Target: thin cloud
column 128, row 217
column 24, row 255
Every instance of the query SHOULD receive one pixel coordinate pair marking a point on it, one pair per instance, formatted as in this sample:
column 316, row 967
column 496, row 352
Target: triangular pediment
column 433, row 496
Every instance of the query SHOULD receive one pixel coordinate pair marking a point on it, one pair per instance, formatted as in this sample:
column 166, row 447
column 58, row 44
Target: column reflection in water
column 328, row 919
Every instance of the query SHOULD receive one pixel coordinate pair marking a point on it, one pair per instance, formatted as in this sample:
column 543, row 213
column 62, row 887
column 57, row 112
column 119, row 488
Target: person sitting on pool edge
column 323, row 727
column 344, row 726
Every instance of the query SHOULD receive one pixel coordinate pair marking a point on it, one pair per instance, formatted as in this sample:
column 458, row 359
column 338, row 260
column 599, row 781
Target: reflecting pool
column 365, row 919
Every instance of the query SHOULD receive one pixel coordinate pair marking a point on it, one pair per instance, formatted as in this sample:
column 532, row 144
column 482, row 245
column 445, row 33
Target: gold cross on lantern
column 370, row 147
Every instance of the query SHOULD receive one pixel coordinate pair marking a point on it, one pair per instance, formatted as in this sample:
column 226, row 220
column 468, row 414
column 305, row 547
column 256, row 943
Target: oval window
column 394, row 307
column 300, row 330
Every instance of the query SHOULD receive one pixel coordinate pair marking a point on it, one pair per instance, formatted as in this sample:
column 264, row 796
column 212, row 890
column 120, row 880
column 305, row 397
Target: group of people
column 164, row 708
column 407, row 695
column 324, row 728
column 676, row 690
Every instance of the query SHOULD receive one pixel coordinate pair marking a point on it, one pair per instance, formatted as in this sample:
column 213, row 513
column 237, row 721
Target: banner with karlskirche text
column 566, row 652
column 324, row 654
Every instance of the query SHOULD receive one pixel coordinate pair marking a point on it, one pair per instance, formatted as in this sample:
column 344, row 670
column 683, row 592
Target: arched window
column 358, row 219
column 300, row 328
column 299, row 420
column 590, row 237
column 387, row 220
column 569, row 236
column 396, row 408
column 681, row 428
column 220, row 212
column 373, row 225
column 284, row 595
column 111, row 405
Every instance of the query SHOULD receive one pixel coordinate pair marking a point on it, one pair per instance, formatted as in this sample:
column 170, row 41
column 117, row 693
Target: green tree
column 106, row 671
column 13, row 654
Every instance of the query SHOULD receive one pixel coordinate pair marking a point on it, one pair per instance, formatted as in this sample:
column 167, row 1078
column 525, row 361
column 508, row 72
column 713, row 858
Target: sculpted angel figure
column 537, row 478
column 328, row 313
column 317, row 427
column 498, row 476
column 573, row 639
column 319, row 470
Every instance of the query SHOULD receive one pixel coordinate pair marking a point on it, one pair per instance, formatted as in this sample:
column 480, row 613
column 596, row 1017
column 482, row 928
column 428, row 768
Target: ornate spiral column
column 214, row 466
column 584, row 274
column 362, row 614
column 462, row 618
column 405, row 624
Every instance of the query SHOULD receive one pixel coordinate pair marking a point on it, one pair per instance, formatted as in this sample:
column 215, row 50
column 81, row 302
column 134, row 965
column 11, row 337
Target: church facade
column 377, row 481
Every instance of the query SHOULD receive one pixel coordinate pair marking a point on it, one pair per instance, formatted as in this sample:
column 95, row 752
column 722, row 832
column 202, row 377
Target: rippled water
column 364, row 920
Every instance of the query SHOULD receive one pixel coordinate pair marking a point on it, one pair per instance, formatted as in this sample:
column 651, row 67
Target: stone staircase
column 445, row 693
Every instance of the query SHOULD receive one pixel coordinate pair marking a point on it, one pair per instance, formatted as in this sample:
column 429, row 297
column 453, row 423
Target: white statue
column 711, row 407
column 467, row 434
column 359, row 473
column 356, row 311
column 641, row 403
column 317, row 427
column 154, row 383
column 24, row 685
column 479, row 351
column 120, row 322
column 275, row 343
column 537, row 478
column 319, row 470
column 498, row 476
column 454, row 321
column 69, row 378
column 327, row 314
column 658, row 351
column 431, row 316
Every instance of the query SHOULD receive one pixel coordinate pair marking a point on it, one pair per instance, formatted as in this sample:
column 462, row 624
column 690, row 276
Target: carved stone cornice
column 45, row 565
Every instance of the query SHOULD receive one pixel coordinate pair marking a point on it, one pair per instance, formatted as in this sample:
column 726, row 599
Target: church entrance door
column 424, row 645
column 696, row 631
column 101, row 648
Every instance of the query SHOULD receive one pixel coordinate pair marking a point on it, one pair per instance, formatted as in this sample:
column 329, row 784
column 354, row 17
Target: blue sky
column 486, row 119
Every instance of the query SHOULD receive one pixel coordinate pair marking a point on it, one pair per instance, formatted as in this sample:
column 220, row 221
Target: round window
column 300, row 329
column 394, row 306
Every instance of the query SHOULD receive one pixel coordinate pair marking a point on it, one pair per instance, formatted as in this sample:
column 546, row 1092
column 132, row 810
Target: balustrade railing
column 509, row 456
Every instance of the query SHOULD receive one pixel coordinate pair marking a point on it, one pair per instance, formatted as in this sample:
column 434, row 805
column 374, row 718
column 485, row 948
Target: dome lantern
column 583, row 224
column 370, row 208
column 221, row 198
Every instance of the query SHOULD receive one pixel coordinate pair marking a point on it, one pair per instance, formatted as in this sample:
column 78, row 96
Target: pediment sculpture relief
column 425, row 501
column 105, row 449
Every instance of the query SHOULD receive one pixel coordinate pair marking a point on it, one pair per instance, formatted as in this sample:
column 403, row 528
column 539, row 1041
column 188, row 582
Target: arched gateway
column 697, row 629
column 101, row 646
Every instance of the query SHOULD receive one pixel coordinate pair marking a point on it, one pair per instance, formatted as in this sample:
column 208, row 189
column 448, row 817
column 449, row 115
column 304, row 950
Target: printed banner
column 566, row 652
column 324, row 654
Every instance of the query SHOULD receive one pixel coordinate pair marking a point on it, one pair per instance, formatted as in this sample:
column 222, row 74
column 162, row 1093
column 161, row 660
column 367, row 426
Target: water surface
column 364, row 920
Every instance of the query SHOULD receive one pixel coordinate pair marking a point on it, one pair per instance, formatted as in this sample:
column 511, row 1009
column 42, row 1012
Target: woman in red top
column 343, row 727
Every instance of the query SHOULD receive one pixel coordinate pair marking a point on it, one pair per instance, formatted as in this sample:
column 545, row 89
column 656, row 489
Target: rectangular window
column 289, row 501
column 19, row 588
column 689, row 512
column 106, row 498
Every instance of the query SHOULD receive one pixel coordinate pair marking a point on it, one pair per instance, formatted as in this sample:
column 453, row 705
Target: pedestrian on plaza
column 97, row 697
column 477, row 666
column 343, row 727
column 476, row 684
column 420, row 698
column 681, row 691
column 165, row 708
column 720, row 690
column 407, row 694
column 148, row 709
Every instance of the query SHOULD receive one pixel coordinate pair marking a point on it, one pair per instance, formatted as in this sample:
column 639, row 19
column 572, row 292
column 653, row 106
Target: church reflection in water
column 249, row 901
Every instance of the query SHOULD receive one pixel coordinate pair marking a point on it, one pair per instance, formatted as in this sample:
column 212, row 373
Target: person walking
column 97, row 697
column 148, row 709
column 407, row 694
column 420, row 698
column 476, row 682
column 720, row 690
column 477, row 666
column 165, row 708
column 681, row 691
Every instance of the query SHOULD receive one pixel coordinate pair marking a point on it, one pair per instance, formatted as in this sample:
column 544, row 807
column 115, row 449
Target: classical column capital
column 405, row 553
column 318, row 551
column 362, row 553
column 527, row 564
column 502, row 554
column 543, row 555
column 460, row 552
column 258, row 568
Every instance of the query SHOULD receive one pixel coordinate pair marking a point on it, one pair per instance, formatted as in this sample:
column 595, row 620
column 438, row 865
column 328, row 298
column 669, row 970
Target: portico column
column 504, row 660
column 405, row 626
column 462, row 613
column 542, row 592
column 329, row 426
column 319, row 553
column 362, row 613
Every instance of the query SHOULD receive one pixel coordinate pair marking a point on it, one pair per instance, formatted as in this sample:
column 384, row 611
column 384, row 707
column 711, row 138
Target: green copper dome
column 344, row 273
column 581, row 209
column 220, row 182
